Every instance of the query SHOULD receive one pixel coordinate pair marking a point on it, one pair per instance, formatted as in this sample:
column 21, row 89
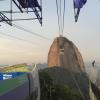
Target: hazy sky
column 85, row 34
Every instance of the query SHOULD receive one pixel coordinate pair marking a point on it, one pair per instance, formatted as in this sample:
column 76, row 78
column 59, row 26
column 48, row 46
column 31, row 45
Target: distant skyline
column 85, row 34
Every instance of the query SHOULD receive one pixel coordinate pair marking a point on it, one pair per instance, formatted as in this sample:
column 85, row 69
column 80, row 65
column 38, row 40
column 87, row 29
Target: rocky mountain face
column 64, row 53
column 67, row 66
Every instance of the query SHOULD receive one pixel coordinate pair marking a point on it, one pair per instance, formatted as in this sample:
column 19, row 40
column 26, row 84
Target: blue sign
column 10, row 75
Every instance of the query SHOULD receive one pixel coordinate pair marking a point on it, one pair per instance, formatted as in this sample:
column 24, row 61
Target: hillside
column 61, row 76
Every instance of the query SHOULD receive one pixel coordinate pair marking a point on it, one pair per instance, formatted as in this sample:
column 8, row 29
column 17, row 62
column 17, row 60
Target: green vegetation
column 16, row 68
column 52, row 91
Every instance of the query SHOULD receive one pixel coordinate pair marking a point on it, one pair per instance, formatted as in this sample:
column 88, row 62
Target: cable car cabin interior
column 29, row 4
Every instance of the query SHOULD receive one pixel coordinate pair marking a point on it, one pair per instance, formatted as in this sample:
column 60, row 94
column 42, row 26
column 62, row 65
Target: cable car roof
column 28, row 3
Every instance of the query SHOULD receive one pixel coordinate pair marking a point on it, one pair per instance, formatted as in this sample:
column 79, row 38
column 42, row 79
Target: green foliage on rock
column 45, row 84
column 64, row 93
column 52, row 91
